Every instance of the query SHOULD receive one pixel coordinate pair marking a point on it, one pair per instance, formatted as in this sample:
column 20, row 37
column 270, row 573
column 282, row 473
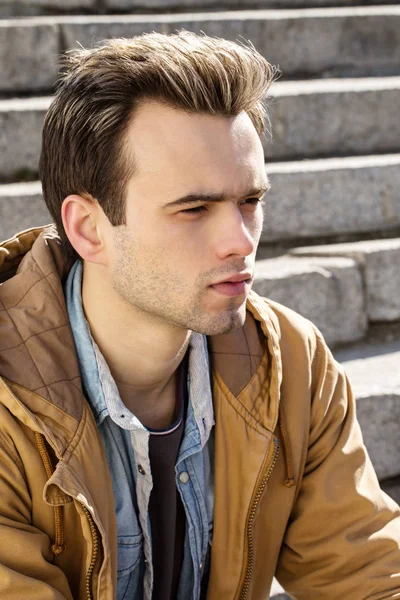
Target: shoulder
column 298, row 343
column 284, row 325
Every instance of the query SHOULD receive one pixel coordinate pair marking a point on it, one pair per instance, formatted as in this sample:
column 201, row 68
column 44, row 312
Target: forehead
column 180, row 152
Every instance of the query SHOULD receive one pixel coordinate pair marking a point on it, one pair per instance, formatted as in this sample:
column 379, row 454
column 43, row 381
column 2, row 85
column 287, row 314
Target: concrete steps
column 21, row 122
column 318, row 42
column 331, row 198
column 343, row 288
column 379, row 261
column 309, row 119
column 329, row 291
column 9, row 8
column 374, row 374
column 21, row 207
column 334, row 117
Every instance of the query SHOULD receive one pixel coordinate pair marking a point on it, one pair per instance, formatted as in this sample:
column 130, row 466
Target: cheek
column 186, row 240
column 172, row 250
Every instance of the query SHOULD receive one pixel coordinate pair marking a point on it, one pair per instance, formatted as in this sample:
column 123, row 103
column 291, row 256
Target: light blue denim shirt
column 126, row 443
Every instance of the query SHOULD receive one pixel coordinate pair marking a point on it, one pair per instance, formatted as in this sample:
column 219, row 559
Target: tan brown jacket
column 295, row 493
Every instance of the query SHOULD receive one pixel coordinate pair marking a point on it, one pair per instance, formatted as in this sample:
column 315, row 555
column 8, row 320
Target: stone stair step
column 33, row 7
column 172, row 4
column 334, row 41
column 309, row 118
column 21, row 122
column 337, row 117
column 332, row 197
column 374, row 374
column 36, row 46
column 21, row 8
column 329, row 291
column 379, row 260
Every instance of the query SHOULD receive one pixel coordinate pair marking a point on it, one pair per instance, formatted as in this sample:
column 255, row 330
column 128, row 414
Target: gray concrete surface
column 329, row 197
column 380, row 262
column 327, row 291
column 334, row 117
column 170, row 4
column 33, row 45
column 374, row 373
column 21, row 207
column 32, row 7
column 21, row 122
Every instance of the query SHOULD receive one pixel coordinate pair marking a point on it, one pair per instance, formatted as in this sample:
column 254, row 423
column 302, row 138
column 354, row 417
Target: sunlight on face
column 194, row 218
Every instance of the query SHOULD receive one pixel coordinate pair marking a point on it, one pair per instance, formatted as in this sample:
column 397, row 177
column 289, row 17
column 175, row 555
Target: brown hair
column 83, row 143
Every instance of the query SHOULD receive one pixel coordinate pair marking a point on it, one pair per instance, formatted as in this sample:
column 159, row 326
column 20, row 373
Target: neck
column 143, row 353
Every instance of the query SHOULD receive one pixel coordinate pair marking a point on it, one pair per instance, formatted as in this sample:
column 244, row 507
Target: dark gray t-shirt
column 166, row 512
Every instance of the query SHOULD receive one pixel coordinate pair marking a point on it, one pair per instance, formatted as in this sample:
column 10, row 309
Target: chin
column 224, row 323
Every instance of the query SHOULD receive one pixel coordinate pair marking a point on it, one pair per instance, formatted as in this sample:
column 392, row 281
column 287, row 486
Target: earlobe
column 80, row 218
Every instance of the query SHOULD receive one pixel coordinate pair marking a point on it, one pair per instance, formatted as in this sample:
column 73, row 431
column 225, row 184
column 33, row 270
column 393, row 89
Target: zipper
column 270, row 464
column 95, row 539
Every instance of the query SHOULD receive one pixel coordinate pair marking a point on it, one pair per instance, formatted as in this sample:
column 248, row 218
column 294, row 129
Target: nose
column 234, row 236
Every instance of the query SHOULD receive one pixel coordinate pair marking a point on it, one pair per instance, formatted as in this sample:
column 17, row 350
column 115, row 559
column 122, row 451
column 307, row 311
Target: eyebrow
column 194, row 197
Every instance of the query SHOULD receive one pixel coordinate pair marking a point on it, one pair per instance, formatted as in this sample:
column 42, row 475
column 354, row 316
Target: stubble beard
column 229, row 320
column 179, row 312
column 193, row 317
column 171, row 303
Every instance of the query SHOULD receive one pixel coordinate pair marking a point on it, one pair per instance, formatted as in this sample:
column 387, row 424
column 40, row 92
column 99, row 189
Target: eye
column 193, row 211
column 253, row 201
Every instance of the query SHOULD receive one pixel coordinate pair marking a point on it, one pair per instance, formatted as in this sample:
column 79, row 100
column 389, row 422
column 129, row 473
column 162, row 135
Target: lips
column 235, row 285
column 235, row 278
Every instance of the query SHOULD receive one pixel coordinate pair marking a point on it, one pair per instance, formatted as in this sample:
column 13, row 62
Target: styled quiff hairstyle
column 83, row 143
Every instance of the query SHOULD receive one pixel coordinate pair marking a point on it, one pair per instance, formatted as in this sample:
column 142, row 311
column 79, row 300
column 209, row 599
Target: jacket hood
column 38, row 366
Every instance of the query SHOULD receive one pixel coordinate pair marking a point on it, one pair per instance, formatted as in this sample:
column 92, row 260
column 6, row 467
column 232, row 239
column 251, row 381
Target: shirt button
column 200, row 566
column 184, row 477
column 141, row 470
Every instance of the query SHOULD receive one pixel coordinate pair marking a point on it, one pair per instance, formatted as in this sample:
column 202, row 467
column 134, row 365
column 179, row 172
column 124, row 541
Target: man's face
column 170, row 258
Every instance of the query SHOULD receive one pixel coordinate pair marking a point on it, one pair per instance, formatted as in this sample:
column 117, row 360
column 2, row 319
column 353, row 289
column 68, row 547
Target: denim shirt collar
column 99, row 384
column 84, row 343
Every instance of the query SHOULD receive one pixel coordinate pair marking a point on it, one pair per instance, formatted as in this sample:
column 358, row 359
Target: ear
column 83, row 225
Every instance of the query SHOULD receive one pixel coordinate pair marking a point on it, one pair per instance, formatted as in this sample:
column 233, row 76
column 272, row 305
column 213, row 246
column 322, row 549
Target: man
column 165, row 432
